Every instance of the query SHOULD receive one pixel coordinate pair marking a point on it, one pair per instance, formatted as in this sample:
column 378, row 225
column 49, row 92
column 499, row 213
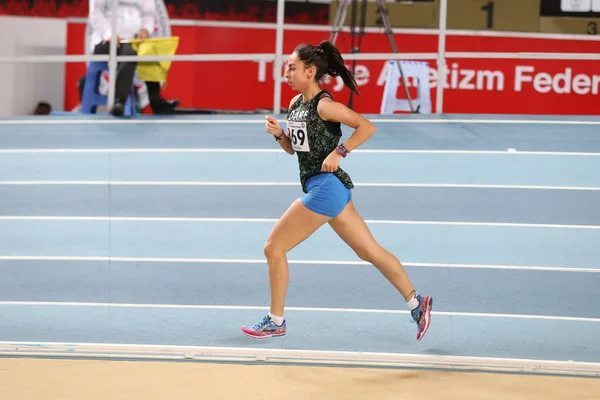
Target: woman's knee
column 368, row 253
column 271, row 250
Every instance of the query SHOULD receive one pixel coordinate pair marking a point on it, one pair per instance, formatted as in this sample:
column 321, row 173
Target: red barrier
column 489, row 86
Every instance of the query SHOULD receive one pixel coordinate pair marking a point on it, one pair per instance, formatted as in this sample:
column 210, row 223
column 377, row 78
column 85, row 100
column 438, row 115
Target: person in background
column 135, row 19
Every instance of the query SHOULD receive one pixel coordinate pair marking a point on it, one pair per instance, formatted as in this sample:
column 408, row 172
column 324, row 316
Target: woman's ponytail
column 328, row 61
column 335, row 65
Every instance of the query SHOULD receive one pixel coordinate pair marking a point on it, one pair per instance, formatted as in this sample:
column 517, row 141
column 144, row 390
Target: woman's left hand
column 331, row 162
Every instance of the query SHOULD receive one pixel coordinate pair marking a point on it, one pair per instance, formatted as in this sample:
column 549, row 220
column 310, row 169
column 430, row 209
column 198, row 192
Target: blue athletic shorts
column 327, row 195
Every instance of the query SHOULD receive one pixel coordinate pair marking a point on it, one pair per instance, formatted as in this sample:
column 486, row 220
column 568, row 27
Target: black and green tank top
column 313, row 139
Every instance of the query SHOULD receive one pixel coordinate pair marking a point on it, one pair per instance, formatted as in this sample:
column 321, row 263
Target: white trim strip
column 301, row 309
column 347, row 56
column 299, row 262
column 319, row 357
column 357, row 184
column 179, row 57
column 272, row 220
column 346, row 28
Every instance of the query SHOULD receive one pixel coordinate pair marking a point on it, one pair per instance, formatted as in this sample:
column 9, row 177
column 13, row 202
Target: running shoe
column 422, row 315
column 264, row 329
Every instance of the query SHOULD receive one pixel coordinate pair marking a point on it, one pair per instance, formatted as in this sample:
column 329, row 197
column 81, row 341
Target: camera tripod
column 337, row 28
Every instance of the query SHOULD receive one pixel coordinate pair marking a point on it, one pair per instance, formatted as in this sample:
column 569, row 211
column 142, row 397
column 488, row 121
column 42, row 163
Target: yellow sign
column 155, row 71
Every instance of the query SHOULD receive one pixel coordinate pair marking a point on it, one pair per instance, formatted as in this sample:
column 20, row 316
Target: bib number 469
column 298, row 136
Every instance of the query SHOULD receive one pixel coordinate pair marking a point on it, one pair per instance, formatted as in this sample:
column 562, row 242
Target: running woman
column 313, row 132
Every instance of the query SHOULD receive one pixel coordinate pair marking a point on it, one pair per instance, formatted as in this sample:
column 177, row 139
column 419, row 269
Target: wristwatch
column 342, row 150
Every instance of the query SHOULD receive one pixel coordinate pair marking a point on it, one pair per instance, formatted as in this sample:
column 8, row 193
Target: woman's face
column 299, row 76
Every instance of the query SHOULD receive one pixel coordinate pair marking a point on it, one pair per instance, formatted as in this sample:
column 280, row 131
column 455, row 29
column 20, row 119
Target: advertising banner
column 478, row 86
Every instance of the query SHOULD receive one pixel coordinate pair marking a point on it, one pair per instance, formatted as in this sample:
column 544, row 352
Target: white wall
column 23, row 85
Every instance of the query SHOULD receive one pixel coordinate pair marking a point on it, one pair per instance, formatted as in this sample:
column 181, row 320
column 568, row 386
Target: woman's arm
column 330, row 110
column 333, row 111
column 278, row 133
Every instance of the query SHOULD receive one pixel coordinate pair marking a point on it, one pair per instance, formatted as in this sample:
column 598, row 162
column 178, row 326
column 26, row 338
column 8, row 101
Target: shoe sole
column 427, row 319
column 264, row 336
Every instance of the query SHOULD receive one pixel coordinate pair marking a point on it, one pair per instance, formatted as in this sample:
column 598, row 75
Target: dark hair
column 42, row 108
column 328, row 61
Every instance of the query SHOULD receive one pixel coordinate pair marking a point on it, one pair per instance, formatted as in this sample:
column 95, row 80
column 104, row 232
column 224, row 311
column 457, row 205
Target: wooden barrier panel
column 401, row 15
column 570, row 25
column 497, row 15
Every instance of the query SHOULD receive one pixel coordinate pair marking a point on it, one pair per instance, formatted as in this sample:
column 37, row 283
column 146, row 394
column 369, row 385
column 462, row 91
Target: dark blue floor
column 381, row 203
column 337, row 331
column 335, row 303
column 237, row 132
column 279, row 167
column 414, row 243
column 318, row 285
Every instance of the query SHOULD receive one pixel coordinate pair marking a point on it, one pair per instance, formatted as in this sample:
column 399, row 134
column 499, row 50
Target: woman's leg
column 294, row 226
column 353, row 230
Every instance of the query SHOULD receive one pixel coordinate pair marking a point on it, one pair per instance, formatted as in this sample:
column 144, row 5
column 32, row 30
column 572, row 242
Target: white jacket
column 132, row 17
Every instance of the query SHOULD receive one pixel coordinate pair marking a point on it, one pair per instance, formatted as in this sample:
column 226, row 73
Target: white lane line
column 304, row 309
column 509, row 152
column 272, row 220
column 259, row 120
column 299, row 262
column 357, row 184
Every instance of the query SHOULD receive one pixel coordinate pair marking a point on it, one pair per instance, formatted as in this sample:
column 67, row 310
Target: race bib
column 298, row 135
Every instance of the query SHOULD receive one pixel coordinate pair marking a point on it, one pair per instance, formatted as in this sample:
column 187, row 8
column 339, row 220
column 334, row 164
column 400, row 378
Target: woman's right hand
column 272, row 126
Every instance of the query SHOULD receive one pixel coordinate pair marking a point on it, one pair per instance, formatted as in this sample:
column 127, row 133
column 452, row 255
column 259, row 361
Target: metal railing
column 279, row 58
